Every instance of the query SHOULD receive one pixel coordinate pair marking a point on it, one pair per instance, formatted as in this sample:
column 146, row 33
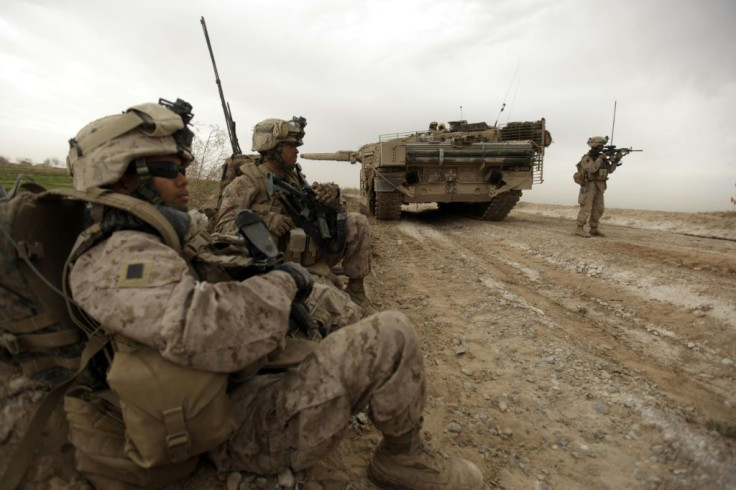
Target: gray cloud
column 360, row 69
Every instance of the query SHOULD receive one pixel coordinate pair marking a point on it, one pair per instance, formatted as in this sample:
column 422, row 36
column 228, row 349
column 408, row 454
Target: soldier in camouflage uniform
column 144, row 293
column 595, row 167
column 277, row 141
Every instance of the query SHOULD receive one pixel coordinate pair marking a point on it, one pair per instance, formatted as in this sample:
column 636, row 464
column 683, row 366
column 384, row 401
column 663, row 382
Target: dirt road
column 562, row 362
column 554, row 361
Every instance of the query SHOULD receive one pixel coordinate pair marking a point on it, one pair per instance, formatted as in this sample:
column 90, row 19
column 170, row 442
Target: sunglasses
column 167, row 170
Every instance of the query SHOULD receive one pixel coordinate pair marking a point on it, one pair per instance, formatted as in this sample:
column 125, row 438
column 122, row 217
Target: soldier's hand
column 326, row 193
column 278, row 224
column 303, row 279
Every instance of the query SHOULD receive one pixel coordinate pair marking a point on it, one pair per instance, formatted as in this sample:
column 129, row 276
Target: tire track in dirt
column 519, row 279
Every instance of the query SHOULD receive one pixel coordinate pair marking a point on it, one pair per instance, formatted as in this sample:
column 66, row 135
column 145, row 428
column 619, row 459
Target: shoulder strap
column 141, row 209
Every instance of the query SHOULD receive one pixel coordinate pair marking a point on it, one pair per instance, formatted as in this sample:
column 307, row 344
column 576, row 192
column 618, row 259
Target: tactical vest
column 297, row 246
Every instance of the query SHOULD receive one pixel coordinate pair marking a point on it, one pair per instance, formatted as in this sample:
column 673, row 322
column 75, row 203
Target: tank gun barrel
column 339, row 156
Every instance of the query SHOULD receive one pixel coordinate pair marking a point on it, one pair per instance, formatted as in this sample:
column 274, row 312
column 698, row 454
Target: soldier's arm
column 235, row 197
column 241, row 194
column 135, row 285
column 591, row 165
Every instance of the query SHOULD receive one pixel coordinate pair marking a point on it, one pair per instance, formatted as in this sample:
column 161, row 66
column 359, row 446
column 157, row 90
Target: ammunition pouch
column 299, row 247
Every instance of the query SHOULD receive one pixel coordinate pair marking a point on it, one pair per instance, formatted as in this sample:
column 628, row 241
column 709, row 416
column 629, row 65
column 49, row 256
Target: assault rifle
column 325, row 224
column 611, row 150
column 266, row 257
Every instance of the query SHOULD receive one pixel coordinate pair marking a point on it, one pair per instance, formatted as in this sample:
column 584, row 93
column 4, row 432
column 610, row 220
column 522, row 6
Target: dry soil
column 554, row 361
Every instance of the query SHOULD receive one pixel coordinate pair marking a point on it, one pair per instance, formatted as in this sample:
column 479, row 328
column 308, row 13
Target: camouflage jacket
column 136, row 286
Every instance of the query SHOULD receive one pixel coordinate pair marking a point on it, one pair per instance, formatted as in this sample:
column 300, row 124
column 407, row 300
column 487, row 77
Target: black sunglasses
column 167, row 170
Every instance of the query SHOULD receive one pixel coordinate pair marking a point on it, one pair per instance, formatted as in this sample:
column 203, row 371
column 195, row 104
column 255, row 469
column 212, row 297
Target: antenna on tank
column 461, row 113
column 503, row 106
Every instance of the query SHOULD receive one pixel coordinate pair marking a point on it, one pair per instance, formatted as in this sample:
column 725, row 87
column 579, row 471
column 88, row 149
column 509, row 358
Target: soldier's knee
column 395, row 325
column 359, row 221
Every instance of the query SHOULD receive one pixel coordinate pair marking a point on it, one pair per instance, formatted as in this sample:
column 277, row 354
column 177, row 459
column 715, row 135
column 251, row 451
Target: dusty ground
column 554, row 361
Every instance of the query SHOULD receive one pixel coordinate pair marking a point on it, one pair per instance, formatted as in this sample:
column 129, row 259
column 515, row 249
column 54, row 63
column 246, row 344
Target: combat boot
column 596, row 232
column 405, row 463
column 580, row 231
column 356, row 290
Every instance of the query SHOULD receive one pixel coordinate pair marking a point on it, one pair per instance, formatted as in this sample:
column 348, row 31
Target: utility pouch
column 97, row 431
column 171, row 412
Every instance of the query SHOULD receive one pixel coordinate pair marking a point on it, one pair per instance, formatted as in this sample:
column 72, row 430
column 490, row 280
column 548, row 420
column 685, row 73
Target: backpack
column 49, row 338
column 37, row 232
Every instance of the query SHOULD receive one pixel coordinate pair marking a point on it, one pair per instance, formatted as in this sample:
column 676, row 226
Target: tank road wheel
column 501, row 205
column 388, row 205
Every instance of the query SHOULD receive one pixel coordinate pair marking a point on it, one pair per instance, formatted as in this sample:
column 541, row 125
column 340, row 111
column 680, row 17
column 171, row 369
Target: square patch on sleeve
column 135, row 273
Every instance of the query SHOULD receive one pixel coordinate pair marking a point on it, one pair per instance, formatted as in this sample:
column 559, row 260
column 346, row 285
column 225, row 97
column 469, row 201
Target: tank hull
column 472, row 168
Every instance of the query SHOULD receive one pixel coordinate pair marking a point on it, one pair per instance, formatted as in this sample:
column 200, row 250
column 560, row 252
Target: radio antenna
column 503, row 106
column 613, row 126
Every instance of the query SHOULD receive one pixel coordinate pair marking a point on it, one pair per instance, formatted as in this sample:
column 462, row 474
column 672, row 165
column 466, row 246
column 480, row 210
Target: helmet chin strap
column 275, row 155
column 145, row 190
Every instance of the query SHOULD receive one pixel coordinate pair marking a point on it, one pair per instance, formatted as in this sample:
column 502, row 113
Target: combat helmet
column 269, row 133
column 594, row 141
column 104, row 149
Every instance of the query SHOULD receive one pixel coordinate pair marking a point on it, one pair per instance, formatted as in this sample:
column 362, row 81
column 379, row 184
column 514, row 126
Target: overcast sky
column 357, row 69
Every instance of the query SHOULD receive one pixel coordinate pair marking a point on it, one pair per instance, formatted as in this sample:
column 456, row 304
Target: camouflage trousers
column 295, row 418
column 331, row 301
column 356, row 257
column 591, row 203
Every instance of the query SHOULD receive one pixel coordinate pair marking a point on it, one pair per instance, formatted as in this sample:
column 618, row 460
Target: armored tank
column 472, row 169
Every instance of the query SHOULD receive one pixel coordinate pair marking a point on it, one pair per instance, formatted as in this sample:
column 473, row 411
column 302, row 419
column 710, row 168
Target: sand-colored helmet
column 102, row 151
column 594, row 141
column 268, row 133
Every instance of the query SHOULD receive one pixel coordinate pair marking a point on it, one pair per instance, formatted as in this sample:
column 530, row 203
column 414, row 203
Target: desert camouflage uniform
column 249, row 191
column 596, row 170
column 290, row 419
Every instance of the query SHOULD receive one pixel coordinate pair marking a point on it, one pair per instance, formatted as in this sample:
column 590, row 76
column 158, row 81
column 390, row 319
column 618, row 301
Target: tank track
column 388, row 205
column 495, row 210
column 501, row 205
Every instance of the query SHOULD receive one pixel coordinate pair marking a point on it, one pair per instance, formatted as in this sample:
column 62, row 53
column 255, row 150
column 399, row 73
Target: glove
column 326, row 193
column 303, row 279
column 278, row 224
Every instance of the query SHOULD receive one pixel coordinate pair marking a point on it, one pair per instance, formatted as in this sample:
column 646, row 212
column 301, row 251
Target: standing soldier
column 177, row 338
column 592, row 175
column 277, row 141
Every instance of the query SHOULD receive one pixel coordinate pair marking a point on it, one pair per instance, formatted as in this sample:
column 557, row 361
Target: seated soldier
column 147, row 296
column 277, row 140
